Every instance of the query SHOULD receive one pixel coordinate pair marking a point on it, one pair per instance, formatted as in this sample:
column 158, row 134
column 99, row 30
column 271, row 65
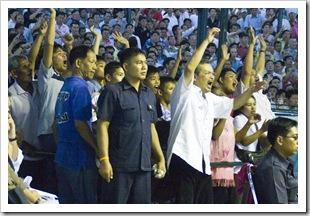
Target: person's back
column 274, row 178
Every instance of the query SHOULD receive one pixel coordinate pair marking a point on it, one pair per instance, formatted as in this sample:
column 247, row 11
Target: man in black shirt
column 274, row 177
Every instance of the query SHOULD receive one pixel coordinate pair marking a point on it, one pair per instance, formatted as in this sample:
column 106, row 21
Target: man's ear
column 78, row 63
column 14, row 74
column 279, row 140
column 125, row 66
column 108, row 77
column 160, row 92
column 220, row 80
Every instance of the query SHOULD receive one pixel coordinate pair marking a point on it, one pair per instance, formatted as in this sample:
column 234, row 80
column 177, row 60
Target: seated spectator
column 243, row 45
column 274, row 179
column 291, row 100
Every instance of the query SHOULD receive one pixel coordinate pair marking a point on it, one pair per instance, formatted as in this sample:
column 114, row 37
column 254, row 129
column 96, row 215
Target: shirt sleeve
column 107, row 104
column 222, row 106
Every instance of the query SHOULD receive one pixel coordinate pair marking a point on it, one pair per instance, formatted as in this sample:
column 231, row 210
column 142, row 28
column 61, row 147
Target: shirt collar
column 127, row 85
column 18, row 89
column 284, row 162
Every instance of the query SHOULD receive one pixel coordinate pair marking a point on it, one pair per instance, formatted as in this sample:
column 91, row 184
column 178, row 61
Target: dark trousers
column 223, row 195
column 127, row 188
column 36, row 169
column 77, row 187
column 48, row 145
column 190, row 185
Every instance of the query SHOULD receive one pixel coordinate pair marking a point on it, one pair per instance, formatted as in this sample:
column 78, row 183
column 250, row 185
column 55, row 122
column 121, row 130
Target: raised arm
column 196, row 58
column 97, row 40
column 174, row 70
column 49, row 40
column 260, row 66
column 248, row 62
column 36, row 46
column 219, row 66
column 119, row 37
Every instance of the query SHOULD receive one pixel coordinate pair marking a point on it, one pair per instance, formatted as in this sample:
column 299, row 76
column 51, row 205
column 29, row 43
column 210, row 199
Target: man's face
column 187, row 56
column 292, row 43
column 170, row 65
column 229, row 82
column 227, row 64
column 289, row 61
column 266, row 29
column 100, row 70
column 244, row 40
column 121, row 14
column 153, row 82
column 233, row 53
column 76, row 15
column 20, row 19
column 270, row 66
column 254, row 11
column 204, row 78
column 75, row 29
column 212, row 12
column 60, row 19
column 278, row 47
column 90, row 22
column 13, row 15
column 24, row 72
column 136, row 68
column 143, row 23
column 172, row 41
column 150, row 61
column 290, row 142
column 59, row 60
column 293, row 101
column 88, row 66
column 166, row 92
column 234, row 29
column 83, row 14
column 107, row 17
column 193, row 41
column 117, row 76
column 129, row 29
column 276, row 83
column 155, row 38
column 97, row 18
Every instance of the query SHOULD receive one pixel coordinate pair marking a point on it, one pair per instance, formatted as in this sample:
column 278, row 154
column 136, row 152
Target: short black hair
column 225, row 71
column 151, row 70
column 286, row 57
column 279, row 126
column 129, row 53
column 111, row 67
column 242, row 34
column 168, row 60
column 164, row 80
column 79, row 52
column 289, row 93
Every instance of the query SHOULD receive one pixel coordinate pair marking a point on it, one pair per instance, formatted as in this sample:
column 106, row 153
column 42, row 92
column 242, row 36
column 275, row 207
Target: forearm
column 55, row 132
column 218, row 69
column 49, row 43
column 156, row 149
column 260, row 66
column 85, row 132
column 242, row 133
column 250, row 139
column 174, row 70
column 218, row 129
column 102, row 138
column 35, row 50
column 97, row 44
column 240, row 100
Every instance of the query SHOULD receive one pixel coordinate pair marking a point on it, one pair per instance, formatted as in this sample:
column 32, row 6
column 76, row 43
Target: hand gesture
column 92, row 29
column 16, row 39
column 253, row 38
column 263, row 44
column 105, row 170
column 225, row 53
column 119, row 37
column 211, row 33
column 43, row 28
column 265, row 125
column 51, row 11
column 254, row 118
column 257, row 86
column 67, row 39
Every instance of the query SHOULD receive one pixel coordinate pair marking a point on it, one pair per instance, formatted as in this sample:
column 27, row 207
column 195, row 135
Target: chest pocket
column 151, row 113
column 129, row 112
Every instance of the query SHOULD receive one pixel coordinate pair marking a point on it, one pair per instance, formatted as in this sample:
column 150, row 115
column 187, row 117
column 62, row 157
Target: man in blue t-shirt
column 76, row 151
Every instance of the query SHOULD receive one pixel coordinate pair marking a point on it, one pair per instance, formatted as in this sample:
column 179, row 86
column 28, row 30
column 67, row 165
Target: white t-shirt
column 192, row 119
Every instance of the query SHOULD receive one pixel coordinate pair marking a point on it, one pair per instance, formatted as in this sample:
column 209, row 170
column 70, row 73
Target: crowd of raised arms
column 109, row 107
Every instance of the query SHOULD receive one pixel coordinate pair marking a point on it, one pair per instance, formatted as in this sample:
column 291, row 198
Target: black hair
column 279, row 127
column 164, row 80
column 225, row 71
column 151, row 70
column 129, row 53
column 111, row 67
column 78, row 52
column 168, row 60
column 286, row 57
column 289, row 93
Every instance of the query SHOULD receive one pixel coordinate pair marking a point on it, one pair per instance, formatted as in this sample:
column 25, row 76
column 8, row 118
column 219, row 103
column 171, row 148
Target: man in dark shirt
column 127, row 135
column 274, row 177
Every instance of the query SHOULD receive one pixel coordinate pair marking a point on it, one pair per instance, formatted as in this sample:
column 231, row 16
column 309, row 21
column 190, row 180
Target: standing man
column 274, row 178
column 76, row 151
column 127, row 135
column 193, row 109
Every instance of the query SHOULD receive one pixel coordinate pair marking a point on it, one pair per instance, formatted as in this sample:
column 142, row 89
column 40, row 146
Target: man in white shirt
column 193, row 109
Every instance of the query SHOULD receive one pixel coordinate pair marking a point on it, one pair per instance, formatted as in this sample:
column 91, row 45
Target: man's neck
column 134, row 83
column 27, row 86
column 99, row 81
column 164, row 103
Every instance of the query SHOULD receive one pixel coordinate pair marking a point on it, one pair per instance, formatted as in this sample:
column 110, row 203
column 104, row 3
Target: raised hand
column 43, row 28
column 257, row 86
column 253, row 38
column 211, row 33
column 225, row 53
column 263, row 45
column 254, row 118
column 67, row 39
column 180, row 52
column 119, row 37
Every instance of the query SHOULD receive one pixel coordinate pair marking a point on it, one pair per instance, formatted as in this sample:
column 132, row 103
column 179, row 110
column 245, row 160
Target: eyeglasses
column 294, row 137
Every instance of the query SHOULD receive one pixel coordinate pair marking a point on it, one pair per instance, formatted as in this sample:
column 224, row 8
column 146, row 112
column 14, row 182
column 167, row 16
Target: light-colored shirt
column 192, row 118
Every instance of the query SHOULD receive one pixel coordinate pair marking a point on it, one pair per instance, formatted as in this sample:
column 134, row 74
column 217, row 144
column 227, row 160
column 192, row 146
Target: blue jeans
column 77, row 187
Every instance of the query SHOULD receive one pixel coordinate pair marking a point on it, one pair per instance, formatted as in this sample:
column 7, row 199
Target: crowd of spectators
column 167, row 37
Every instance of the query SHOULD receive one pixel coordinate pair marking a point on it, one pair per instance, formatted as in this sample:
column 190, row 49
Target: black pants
column 190, row 185
column 223, row 195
